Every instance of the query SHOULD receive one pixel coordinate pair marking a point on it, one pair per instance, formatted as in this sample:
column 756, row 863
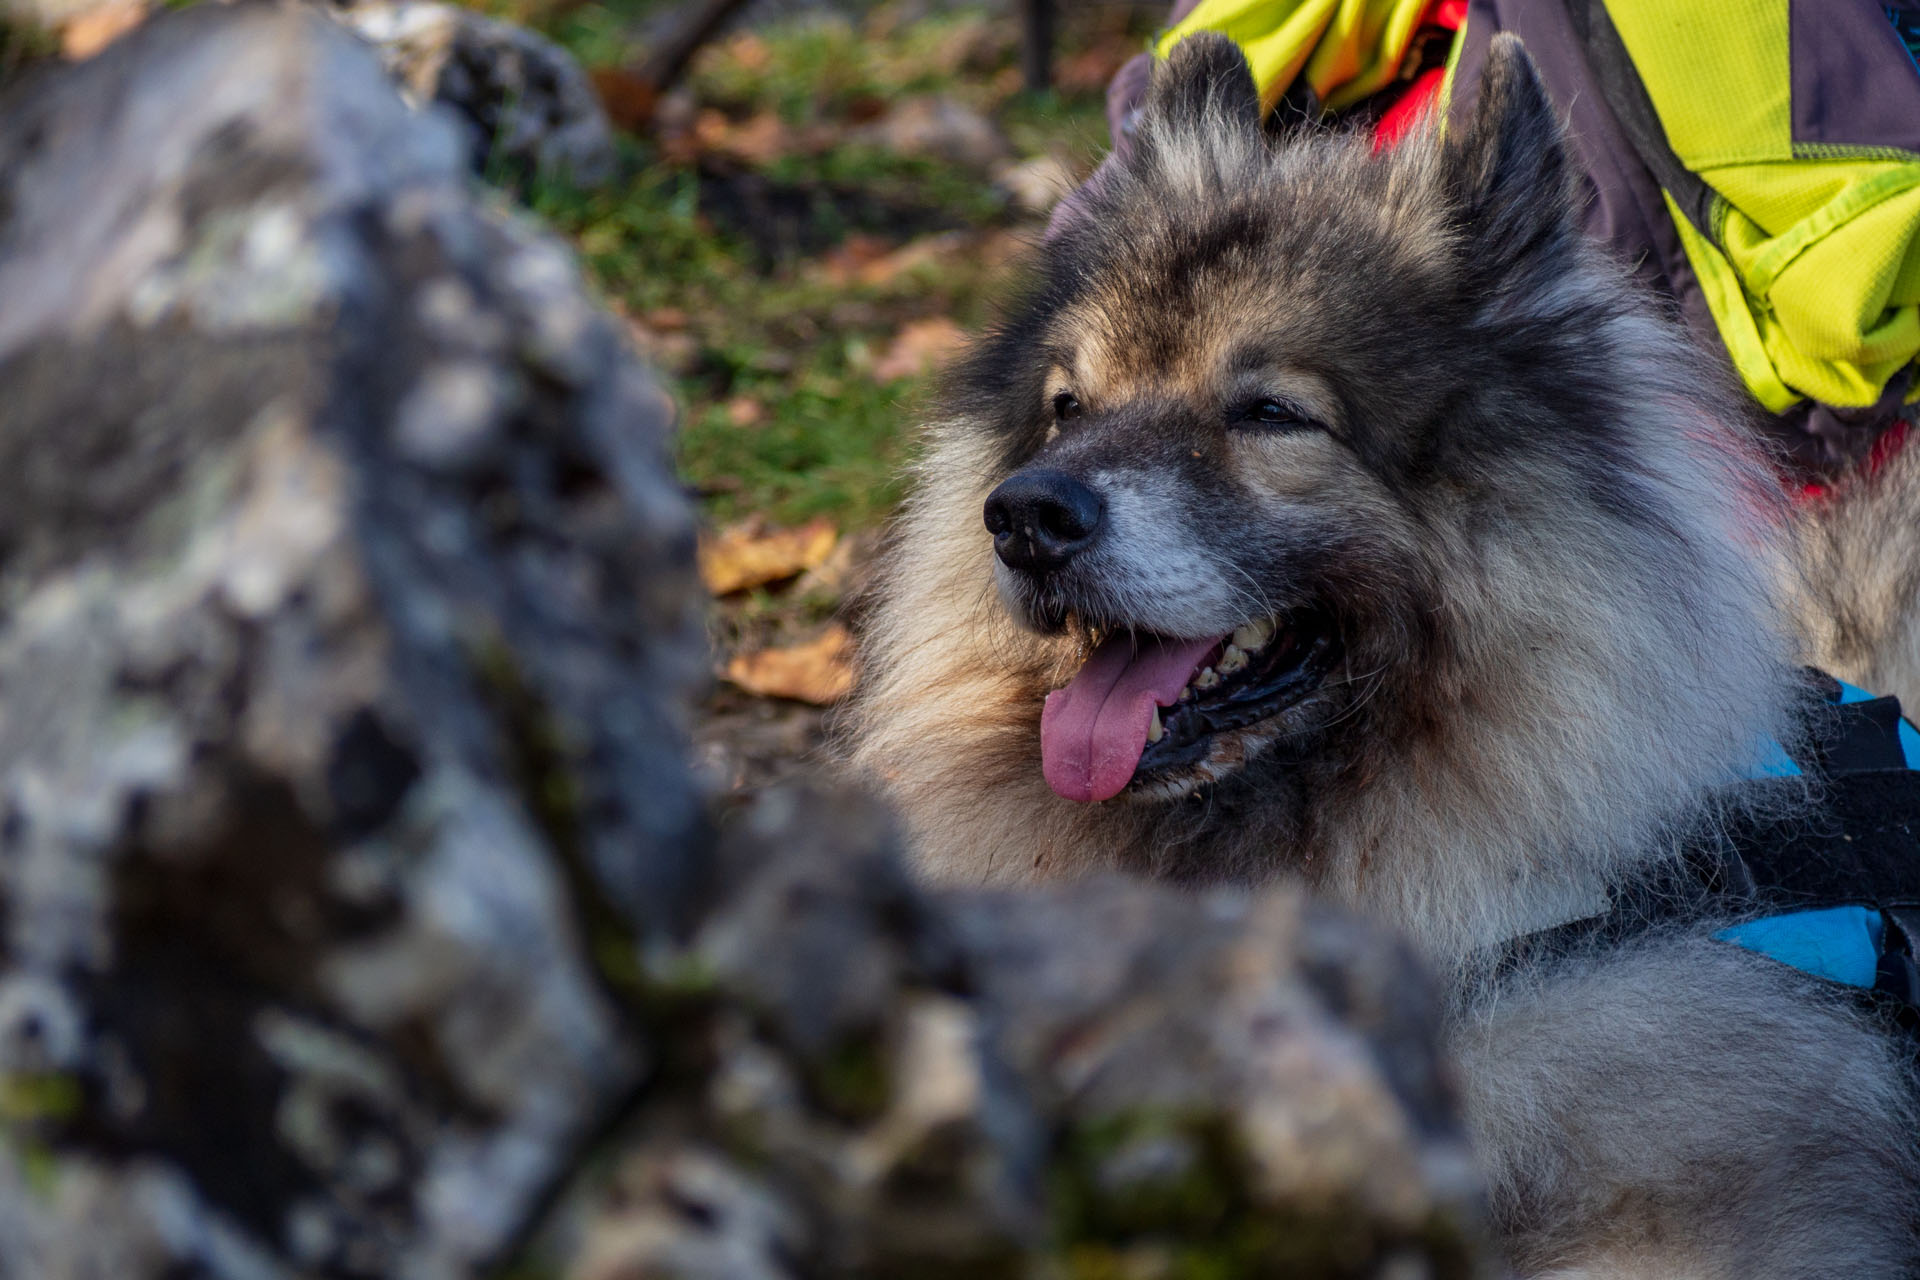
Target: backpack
column 1757, row 161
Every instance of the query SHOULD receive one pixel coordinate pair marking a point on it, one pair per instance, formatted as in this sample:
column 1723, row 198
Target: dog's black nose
column 1041, row 519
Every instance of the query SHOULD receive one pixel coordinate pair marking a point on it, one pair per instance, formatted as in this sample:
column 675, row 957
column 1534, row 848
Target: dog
column 1347, row 517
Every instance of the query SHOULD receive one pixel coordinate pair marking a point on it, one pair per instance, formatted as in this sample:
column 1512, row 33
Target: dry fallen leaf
column 998, row 248
column 758, row 140
column 750, row 554
column 939, row 128
column 631, row 100
column 842, row 264
column 675, row 352
column 920, row 347
column 761, row 139
column 750, row 52
column 1093, row 68
column 839, row 571
column 667, row 319
column 95, row 28
column 935, row 251
column 819, row 671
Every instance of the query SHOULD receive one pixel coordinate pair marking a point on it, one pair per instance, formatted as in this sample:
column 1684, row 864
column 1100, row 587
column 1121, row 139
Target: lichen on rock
column 528, row 109
column 359, row 914
column 295, row 428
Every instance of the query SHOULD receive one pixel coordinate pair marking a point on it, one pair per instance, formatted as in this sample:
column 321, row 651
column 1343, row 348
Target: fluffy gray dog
column 1349, row 517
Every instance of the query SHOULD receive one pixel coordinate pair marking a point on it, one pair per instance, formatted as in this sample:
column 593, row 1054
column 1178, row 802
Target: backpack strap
column 1626, row 93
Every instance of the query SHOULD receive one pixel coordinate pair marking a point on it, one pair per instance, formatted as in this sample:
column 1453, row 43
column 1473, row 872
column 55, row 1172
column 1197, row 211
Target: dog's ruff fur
column 1859, row 579
column 1551, row 558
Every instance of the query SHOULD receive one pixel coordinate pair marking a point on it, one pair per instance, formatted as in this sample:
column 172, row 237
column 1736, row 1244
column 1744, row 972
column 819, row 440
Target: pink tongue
column 1093, row 731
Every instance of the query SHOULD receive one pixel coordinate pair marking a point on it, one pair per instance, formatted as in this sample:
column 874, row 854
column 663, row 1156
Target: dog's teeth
column 1206, row 679
column 1253, row 636
column 1186, row 693
column 1232, row 660
column 1155, row 731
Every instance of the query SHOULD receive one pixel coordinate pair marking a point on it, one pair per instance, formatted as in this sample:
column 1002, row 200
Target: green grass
column 832, row 439
column 763, row 319
column 826, row 67
column 886, row 180
column 834, row 447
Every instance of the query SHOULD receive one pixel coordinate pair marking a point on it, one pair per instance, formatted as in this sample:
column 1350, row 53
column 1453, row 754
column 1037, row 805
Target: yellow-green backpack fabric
column 1758, row 159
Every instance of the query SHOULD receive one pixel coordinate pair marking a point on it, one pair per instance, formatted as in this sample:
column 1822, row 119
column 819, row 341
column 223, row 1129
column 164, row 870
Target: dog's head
column 1230, row 411
column 1354, row 492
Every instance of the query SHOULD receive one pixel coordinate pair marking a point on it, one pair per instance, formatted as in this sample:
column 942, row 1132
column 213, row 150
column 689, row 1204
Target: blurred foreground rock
column 528, row 107
column 354, row 886
column 348, row 613
column 1110, row 1080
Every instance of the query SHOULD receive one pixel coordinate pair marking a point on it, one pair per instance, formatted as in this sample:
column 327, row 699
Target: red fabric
column 1890, row 442
column 1406, row 112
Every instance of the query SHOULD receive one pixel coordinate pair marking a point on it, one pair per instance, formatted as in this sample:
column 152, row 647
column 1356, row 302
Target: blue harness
column 1833, row 891
column 1848, row 943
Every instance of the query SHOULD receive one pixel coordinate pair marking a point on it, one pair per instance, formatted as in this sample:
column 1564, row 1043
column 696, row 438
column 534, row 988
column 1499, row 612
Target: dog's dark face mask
column 1234, row 400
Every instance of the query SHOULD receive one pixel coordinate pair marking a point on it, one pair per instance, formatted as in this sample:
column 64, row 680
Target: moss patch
column 1172, row 1186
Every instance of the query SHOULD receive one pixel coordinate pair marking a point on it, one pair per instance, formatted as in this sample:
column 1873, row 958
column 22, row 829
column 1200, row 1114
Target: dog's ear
column 1508, row 167
column 1205, row 84
column 1202, row 100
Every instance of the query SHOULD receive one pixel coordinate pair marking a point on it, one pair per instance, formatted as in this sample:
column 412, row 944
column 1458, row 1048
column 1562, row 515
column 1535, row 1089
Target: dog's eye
column 1065, row 406
column 1273, row 413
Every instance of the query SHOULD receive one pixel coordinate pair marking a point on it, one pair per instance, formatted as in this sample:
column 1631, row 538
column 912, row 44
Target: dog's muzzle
column 1041, row 519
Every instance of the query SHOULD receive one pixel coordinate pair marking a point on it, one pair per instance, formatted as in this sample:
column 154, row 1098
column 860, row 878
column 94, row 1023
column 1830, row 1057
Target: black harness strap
column 1844, row 833
column 1859, row 845
column 1863, row 849
column 1626, row 93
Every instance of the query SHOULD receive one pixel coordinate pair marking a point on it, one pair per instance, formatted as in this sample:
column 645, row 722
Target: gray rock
column 347, row 619
column 526, row 104
column 1111, row 1079
column 353, row 884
